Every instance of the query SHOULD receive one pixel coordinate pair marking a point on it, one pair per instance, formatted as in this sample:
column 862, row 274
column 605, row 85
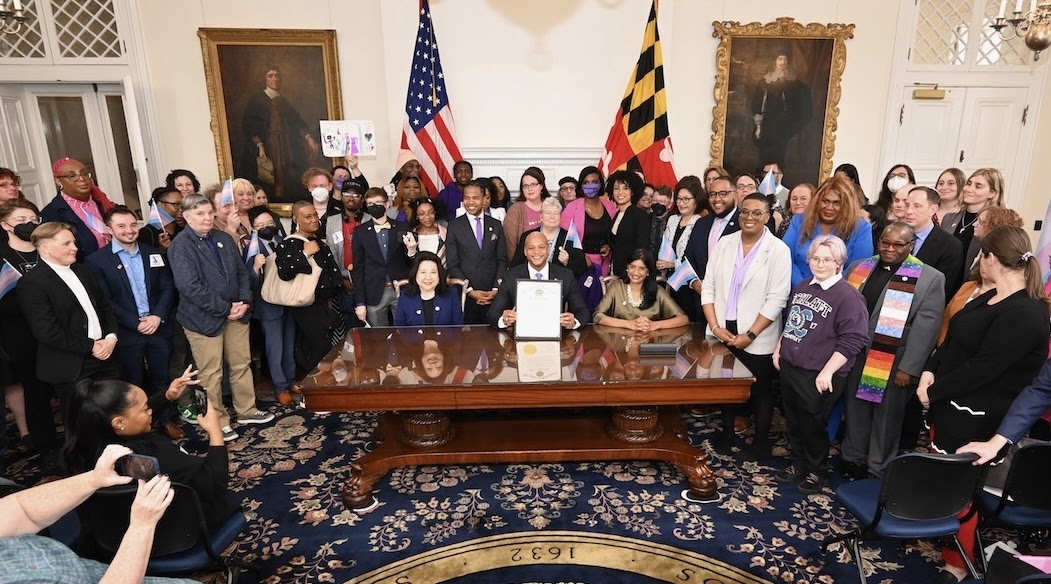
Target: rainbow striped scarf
column 889, row 327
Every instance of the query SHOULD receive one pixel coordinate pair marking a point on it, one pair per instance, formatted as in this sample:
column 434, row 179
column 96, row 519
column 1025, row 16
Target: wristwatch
column 750, row 335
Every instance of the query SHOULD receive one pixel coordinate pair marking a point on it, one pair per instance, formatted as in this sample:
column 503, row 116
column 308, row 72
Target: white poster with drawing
column 341, row 138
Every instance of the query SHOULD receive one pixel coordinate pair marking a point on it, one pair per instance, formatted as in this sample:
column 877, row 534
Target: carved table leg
column 701, row 480
column 426, row 429
column 357, row 491
column 635, row 425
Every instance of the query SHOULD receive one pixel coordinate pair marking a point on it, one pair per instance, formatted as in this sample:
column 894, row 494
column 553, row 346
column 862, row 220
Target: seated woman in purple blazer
column 427, row 300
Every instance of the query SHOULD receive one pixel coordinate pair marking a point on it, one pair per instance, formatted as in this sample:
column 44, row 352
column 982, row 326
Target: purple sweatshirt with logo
column 821, row 322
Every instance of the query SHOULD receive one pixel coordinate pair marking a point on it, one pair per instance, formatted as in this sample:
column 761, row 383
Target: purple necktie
column 478, row 230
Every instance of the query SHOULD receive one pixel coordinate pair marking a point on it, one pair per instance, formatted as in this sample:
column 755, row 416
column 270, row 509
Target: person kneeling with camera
column 114, row 411
column 29, row 557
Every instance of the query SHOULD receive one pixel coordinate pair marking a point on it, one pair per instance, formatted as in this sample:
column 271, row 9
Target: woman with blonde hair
column 984, row 188
column 833, row 210
column 995, row 345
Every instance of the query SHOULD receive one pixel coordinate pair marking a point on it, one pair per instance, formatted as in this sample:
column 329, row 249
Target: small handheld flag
column 9, row 277
column 666, row 253
column 253, row 248
column 769, row 185
column 227, row 196
column 682, row 275
column 574, row 236
column 159, row 218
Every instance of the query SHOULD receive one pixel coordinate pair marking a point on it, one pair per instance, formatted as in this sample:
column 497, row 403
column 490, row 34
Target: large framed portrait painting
column 777, row 94
column 267, row 90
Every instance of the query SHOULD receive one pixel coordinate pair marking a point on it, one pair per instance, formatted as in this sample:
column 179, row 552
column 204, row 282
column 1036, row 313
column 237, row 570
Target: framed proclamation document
column 539, row 307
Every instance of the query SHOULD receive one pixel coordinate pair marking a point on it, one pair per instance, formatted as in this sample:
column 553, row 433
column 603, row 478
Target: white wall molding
column 508, row 163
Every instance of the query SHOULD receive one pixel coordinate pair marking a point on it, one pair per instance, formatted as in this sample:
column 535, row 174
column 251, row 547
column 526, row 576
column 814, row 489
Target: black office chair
column 918, row 498
column 1026, row 499
column 182, row 543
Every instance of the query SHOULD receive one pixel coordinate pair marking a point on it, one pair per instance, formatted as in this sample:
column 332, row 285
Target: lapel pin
column 219, row 244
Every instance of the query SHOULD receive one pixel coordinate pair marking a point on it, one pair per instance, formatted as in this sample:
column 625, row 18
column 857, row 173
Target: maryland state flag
column 639, row 138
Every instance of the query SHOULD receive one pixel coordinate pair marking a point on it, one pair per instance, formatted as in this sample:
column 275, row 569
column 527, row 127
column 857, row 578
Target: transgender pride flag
column 682, row 275
column 9, row 277
column 1043, row 247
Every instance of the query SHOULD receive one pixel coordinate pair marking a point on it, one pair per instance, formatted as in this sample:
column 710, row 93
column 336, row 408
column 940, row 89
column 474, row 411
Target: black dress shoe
column 853, row 471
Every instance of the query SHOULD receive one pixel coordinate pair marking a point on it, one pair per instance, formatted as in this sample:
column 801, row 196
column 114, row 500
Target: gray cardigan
column 206, row 291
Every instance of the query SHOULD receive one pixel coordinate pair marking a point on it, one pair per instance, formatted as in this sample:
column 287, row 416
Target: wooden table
column 474, row 395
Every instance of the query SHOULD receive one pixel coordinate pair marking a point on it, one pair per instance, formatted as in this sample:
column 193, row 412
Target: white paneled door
column 42, row 123
column 971, row 128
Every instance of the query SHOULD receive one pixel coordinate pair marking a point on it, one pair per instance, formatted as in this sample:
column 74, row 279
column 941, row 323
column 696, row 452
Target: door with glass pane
column 87, row 122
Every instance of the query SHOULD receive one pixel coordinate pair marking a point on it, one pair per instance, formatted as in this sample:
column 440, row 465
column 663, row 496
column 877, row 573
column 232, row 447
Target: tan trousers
column 208, row 355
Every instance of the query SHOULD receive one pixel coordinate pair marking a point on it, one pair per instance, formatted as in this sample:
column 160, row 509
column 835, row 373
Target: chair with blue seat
column 182, row 542
column 919, row 497
column 1026, row 499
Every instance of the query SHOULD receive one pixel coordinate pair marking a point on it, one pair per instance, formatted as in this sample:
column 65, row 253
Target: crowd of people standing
column 838, row 302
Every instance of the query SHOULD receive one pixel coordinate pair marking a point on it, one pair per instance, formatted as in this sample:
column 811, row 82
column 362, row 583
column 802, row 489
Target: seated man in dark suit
column 137, row 280
column 934, row 247
column 67, row 313
column 502, row 313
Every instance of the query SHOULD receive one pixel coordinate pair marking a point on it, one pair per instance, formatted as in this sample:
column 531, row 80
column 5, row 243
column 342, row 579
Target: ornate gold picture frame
column 777, row 91
column 252, row 125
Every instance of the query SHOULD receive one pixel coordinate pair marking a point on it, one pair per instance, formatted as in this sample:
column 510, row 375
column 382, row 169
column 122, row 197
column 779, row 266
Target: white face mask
column 896, row 182
column 320, row 194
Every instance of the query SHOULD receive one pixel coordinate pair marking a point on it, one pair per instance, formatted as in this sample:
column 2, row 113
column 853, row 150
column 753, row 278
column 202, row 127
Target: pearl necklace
column 631, row 299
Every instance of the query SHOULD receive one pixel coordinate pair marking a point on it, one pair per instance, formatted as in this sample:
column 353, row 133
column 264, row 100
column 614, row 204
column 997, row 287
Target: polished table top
column 477, row 367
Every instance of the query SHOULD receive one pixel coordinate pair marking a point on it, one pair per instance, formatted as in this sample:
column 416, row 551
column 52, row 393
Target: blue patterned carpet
column 526, row 522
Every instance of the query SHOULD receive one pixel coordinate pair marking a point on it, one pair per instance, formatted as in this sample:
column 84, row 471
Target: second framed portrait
column 777, row 96
column 268, row 90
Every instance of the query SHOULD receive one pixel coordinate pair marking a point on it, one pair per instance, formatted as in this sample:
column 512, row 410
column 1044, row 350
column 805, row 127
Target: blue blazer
column 447, row 310
column 113, row 278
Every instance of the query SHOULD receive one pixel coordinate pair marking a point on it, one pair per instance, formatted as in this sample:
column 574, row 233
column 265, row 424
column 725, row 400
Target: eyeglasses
column 746, row 188
column 683, row 199
column 349, row 195
column 10, row 183
column 720, row 194
column 823, row 261
column 75, row 176
column 265, row 225
column 530, row 185
column 21, row 220
column 756, row 213
column 894, row 244
column 899, row 175
column 567, row 188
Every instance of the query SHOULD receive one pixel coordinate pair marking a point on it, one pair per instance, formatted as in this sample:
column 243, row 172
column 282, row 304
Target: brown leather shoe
column 741, row 423
column 285, row 398
column 172, row 431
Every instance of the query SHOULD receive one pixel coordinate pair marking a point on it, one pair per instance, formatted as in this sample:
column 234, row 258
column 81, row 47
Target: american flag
column 428, row 130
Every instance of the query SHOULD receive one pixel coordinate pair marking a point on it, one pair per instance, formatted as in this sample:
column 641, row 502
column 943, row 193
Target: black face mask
column 375, row 210
column 658, row 210
column 24, row 231
column 268, row 232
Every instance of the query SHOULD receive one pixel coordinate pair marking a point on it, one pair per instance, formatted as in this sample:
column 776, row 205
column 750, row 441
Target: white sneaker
column 229, row 435
column 259, row 417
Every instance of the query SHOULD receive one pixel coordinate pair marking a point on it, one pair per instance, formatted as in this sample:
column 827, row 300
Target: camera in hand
column 200, row 399
column 138, row 466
